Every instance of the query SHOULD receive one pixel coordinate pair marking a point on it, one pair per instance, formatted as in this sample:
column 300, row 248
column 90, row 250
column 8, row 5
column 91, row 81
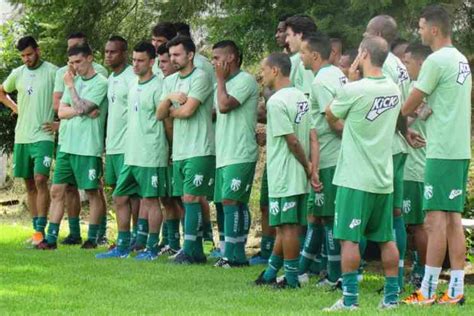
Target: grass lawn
column 71, row 281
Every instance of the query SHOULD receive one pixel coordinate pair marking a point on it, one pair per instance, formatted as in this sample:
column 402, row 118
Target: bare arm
column 186, row 110
column 315, row 183
column 225, row 101
column 168, row 123
column 80, row 105
column 163, row 110
column 413, row 102
column 56, row 100
column 66, row 112
column 7, row 101
column 335, row 123
column 295, row 147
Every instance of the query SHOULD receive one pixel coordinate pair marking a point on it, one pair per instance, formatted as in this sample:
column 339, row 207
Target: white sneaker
column 303, row 278
column 174, row 256
column 339, row 306
column 383, row 305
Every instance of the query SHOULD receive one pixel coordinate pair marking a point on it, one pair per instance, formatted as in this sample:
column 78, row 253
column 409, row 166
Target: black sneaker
column 45, row 246
column 183, row 258
column 283, row 284
column 72, row 240
column 261, row 281
column 200, row 259
column 103, row 241
column 89, row 244
column 137, row 248
column 223, row 263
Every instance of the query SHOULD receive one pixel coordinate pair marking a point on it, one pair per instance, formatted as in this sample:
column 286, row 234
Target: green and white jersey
column 84, row 136
column 369, row 108
column 35, row 101
column 59, row 87
column 194, row 136
column 156, row 69
column 445, row 77
column 300, row 77
column 235, row 130
column 326, row 83
column 146, row 144
column 203, row 63
column 287, row 113
column 394, row 69
column 119, row 86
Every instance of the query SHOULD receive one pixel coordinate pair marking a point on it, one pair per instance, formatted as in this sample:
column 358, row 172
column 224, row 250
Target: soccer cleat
column 391, row 305
column 183, row 258
column 45, row 246
column 261, row 281
column 303, row 278
column 200, row 259
column 417, row 298
column 325, row 282
column 146, row 255
column 113, row 253
column 283, row 284
column 174, row 256
column 445, row 299
column 137, row 248
column 215, row 254
column 72, row 240
column 89, row 244
column 167, row 251
column 102, row 241
column 258, row 259
column 339, row 306
column 223, row 263
column 37, row 238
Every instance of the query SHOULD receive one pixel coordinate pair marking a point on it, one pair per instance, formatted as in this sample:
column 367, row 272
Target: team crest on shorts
column 211, row 182
column 406, row 207
column 428, row 191
column 198, row 179
column 47, row 161
column 235, row 184
column 319, row 199
column 381, row 105
column 464, row 72
column 154, row 181
column 274, row 208
column 92, row 174
column 355, row 222
column 288, row 206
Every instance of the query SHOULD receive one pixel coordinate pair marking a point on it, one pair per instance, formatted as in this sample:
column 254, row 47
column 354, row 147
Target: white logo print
column 211, row 182
column 154, row 181
column 402, row 74
column 47, row 161
column 274, row 208
column 380, row 105
column 92, row 174
column 302, row 108
column 29, row 90
column 247, row 188
column 454, row 194
column 343, row 80
column 319, row 199
column 198, row 178
column 354, row 223
column 235, row 185
column 428, row 194
column 464, row 72
column 406, row 206
column 288, row 206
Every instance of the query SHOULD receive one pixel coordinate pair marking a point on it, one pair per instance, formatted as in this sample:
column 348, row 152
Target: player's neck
column 372, row 71
column 118, row 69
column 317, row 68
column 281, row 83
column 186, row 70
column 440, row 42
column 147, row 76
column 90, row 73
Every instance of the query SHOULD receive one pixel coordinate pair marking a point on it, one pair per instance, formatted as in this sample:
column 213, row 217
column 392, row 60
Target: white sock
column 430, row 281
column 456, row 283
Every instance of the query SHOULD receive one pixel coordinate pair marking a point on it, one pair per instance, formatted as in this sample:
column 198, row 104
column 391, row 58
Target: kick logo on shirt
column 302, row 108
column 381, row 105
column 92, row 174
column 428, row 192
column 464, row 72
column 198, row 179
column 47, row 161
column 406, row 207
column 235, row 184
column 274, row 208
column 154, row 181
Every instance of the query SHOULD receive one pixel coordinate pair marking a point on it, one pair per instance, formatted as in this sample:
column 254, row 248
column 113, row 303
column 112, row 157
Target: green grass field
column 70, row 281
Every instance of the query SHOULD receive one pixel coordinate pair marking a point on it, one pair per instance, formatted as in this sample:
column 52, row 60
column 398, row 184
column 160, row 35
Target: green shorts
column 288, row 210
column 264, row 189
column 83, row 172
column 31, row 159
column 169, row 181
column 359, row 213
column 194, row 176
column 445, row 184
column 398, row 168
column 412, row 209
column 146, row 182
column 234, row 182
column 113, row 166
column 322, row 203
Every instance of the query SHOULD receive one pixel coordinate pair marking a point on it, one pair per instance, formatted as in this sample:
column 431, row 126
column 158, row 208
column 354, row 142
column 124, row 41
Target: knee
column 120, row 200
column 41, row 181
column 30, row 186
column 57, row 192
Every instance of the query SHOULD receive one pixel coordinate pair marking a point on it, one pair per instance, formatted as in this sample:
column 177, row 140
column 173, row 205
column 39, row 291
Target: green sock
column 401, row 239
column 53, row 232
column 33, row 222
column 391, row 290
column 74, row 227
column 134, row 231
column 244, row 227
column 418, row 268
column 351, row 288
column 207, row 227
column 142, row 232
column 41, row 222
column 199, row 248
column 220, row 223
column 93, row 233
column 266, row 246
column 164, row 233
column 191, row 226
column 334, row 254
column 152, row 242
column 301, row 240
column 173, row 233
column 291, row 272
column 274, row 265
column 123, row 240
column 312, row 246
column 103, row 227
column 231, row 230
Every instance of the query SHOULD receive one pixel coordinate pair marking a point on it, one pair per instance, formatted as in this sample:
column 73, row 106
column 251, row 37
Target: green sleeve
column 323, row 95
column 101, row 70
column 66, row 98
column 9, row 85
column 242, row 91
column 165, row 90
column 59, row 81
column 342, row 103
column 279, row 119
column 157, row 94
column 97, row 94
column 429, row 77
column 201, row 88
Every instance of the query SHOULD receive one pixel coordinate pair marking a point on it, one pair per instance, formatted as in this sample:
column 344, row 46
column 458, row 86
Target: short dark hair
column 77, row 35
column 145, row 47
column 83, row 49
column 162, row 49
column 284, row 17
column 319, row 43
column 301, row 24
column 399, row 41
column 186, row 41
column 25, row 42
column 182, row 29
column 418, row 51
column 378, row 49
column 230, row 45
column 281, row 61
column 164, row 29
column 120, row 39
column 352, row 53
column 437, row 15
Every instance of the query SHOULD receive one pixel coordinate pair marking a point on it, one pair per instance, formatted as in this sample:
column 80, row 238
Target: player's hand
column 178, row 97
column 315, row 183
column 261, row 138
column 354, row 72
column 423, row 111
column 94, row 114
column 414, row 139
column 222, row 70
column 51, row 127
column 69, row 79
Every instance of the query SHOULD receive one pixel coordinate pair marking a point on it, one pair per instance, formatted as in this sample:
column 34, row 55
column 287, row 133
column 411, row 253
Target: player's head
column 29, row 51
column 226, row 52
column 315, row 50
column 80, row 58
column 347, row 59
column 434, row 23
column 280, row 34
column 415, row 55
column 182, row 29
column 182, row 50
column 398, row 47
column 163, row 56
column 298, row 26
column 162, row 33
column 373, row 51
column 274, row 67
column 336, row 50
column 384, row 26
column 115, row 51
column 76, row 38
column 143, row 58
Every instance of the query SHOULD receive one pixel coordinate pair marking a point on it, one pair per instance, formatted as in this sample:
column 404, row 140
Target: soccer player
column 364, row 172
column 398, row 48
column 33, row 149
column 187, row 98
column 446, row 82
column 316, row 55
column 79, row 163
column 72, row 198
column 289, row 149
column 280, row 34
column 236, row 96
column 413, row 212
column 160, row 34
column 336, row 51
column 346, row 60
